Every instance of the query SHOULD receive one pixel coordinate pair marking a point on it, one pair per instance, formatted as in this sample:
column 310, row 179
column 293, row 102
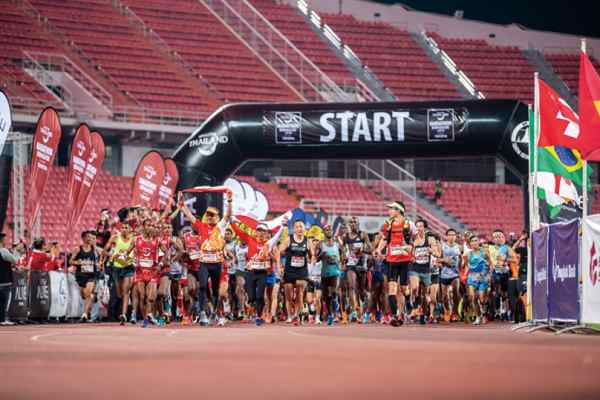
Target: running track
column 283, row 362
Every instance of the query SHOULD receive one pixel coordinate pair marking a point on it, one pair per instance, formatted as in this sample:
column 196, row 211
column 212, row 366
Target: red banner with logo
column 149, row 176
column 43, row 152
column 169, row 184
column 80, row 152
column 90, row 175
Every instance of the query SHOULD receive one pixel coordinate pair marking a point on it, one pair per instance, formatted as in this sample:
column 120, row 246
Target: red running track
column 283, row 362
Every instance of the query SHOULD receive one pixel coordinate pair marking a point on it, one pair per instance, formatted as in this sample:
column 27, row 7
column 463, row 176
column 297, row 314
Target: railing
column 337, row 42
column 60, row 62
column 164, row 46
column 277, row 51
column 451, row 66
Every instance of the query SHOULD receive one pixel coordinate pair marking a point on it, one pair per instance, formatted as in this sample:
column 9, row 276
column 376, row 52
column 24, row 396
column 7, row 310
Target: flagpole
column 531, row 182
column 536, row 135
column 584, row 208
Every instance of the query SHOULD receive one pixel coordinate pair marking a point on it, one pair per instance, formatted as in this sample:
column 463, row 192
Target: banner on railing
column 59, row 294
column 5, row 119
column 40, row 294
column 45, row 143
column 539, row 289
column 149, row 176
column 590, row 269
column 19, row 301
column 563, row 285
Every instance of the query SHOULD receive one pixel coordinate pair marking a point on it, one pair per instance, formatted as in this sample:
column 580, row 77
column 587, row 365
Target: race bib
column 352, row 259
column 195, row 255
column 145, row 263
column 258, row 265
column 356, row 246
column 297, row 262
column 210, row 257
column 176, row 268
column 397, row 250
column 87, row 266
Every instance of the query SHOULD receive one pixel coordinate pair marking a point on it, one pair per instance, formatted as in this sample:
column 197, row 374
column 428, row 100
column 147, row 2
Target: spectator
column 437, row 194
column 7, row 262
column 40, row 260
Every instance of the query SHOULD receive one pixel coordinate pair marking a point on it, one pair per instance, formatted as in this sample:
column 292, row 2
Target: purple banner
column 539, row 290
column 563, row 286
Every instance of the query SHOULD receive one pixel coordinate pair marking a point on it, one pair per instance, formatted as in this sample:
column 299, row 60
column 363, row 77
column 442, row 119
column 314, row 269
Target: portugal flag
column 589, row 109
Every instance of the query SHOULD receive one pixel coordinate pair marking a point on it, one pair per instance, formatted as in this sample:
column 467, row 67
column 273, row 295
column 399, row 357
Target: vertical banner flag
column 563, row 285
column 40, row 294
column 149, row 176
column 92, row 168
column 589, row 109
column 169, row 183
column 539, row 290
column 590, row 269
column 19, row 301
column 45, row 143
column 80, row 152
column 5, row 119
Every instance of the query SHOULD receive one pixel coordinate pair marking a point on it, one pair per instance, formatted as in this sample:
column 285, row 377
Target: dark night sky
column 575, row 16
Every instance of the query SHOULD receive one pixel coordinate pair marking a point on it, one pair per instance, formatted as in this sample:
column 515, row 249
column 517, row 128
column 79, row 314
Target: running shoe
column 146, row 323
column 311, row 319
column 330, row 320
column 133, row 320
column 365, row 319
column 296, row 321
column 386, row 319
column 396, row 322
column 477, row 321
column 422, row 319
column 318, row 321
column 289, row 320
column 203, row 319
column 221, row 321
column 259, row 321
column 7, row 323
column 353, row 317
column 344, row 317
column 378, row 316
column 122, row 319
column 152, row 320
column 84, row 318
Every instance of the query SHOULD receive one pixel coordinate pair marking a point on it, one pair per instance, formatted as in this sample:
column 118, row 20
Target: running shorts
column 501, row 279
column 398, row 270
column 146, row 276
column 481, row 285
column 83, row 278
column 291, row 275
column 313, row 285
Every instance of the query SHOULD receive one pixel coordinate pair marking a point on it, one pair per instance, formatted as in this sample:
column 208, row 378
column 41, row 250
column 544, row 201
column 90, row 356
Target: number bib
column 145, row 263
column 195, row 255
column 87, row 266
column 258, row 265
column 297, row 262
column 397, row 250
column 352, row 259
column 210, row 257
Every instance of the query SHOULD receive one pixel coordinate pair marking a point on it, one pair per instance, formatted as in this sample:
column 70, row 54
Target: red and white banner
column 80, row 152
column 90, row 175
column 149, row 176
column 169, row 184
column 45, row 143
column 274, row 225
column 590, row 270
column 206, row 189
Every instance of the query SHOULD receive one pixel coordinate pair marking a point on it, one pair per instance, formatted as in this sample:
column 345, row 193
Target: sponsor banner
column 563, row 284
column 74, row 299
column 92, row 168
column 40, row 294
column 539, row 289
column 169, row 185
column 590, row 269
column 381, row 126
column 45, row 143
column 59, row 294
column 19, row 303
column 5, row 119
column 149, row 176
column 247, row 200
column 80, row 152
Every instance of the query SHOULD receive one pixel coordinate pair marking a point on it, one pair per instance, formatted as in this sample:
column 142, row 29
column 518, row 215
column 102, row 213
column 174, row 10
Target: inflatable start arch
column 240, row 132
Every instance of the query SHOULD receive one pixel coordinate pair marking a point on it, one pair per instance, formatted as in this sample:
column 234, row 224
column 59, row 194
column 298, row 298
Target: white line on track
column 37, row 337
column 172, row 332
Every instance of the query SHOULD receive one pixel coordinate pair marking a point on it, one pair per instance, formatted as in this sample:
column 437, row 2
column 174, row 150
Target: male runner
column 479, row 261
column 356, row 244
column 499, row 253
column 87, row 264
column 329, row 254
column 122, row 265
column 451, row 257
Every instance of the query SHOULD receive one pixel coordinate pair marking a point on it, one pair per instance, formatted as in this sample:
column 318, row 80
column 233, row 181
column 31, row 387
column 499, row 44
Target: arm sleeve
column 273, row 241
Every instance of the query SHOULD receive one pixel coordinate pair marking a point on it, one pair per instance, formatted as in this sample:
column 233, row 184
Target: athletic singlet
column 146, row 252
column 296, row 254
column 231, row 263
column 434, row 265
column 241, row 254
column 314, row 271
column 330, row 268
column 499, row 268
column 421, row 254
column 354, row 247
column 397, row 247
column 452, row 252
column 119, row 258
column 212, row 241
column 192, row 246
column 478, row 265
column 88, row 259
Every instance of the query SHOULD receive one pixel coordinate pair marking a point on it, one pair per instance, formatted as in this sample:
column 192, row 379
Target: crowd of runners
column 216, row 270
